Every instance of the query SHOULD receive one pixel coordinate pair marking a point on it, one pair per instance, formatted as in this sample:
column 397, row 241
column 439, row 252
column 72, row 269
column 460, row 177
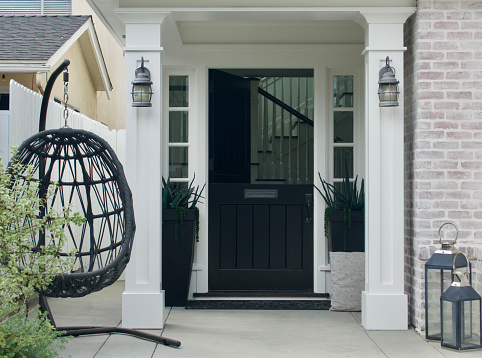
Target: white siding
column 35, row 7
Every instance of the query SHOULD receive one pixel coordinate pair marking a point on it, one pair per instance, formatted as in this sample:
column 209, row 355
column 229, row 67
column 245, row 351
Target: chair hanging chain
column 66, row 96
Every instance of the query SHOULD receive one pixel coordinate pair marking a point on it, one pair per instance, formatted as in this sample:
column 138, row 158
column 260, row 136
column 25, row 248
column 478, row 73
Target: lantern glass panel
column 389, row 92
column 449, row 322
column 437, row 282
column 470, row 335
column 141, row 93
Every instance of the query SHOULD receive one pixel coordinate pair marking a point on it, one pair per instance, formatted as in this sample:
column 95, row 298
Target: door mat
column 259, row 305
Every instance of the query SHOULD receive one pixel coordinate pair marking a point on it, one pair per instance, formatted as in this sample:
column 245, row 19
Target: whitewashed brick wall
column 443, row 136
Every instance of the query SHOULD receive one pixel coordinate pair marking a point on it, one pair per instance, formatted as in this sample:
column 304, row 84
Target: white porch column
column 384, row 303
column 143, row 300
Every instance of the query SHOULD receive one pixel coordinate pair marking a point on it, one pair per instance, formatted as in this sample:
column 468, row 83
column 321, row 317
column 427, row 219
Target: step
column 260, row 304
column 263, row 295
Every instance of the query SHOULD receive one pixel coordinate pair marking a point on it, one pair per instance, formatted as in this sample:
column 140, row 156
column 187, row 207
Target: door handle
column 309, row 208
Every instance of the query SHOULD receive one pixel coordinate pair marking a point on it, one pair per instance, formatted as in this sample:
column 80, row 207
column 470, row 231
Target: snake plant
column 346, row 198
column 180, row 197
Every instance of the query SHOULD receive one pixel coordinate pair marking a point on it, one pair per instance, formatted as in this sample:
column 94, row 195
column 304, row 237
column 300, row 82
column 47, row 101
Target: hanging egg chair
column 86, row 175
column 90, row 179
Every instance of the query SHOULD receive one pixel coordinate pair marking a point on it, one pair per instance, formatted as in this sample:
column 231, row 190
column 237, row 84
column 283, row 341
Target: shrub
column 25, row 269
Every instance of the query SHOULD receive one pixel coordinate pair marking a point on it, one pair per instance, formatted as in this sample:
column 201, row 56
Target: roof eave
column 24, row 66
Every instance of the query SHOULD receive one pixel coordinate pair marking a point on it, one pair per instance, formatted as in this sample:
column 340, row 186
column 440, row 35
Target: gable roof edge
column 97, row 69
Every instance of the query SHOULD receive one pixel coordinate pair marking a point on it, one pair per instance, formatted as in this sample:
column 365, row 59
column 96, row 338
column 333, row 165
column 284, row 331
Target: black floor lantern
column 460, row 309
column 438, row 277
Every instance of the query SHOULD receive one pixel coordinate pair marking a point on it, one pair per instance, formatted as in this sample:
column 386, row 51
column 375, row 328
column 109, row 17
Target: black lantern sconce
column 141, row 87
column 460, row 309
column 438, row 277
column 388, row 91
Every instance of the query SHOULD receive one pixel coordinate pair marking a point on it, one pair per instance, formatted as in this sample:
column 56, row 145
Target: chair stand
column 87, row 330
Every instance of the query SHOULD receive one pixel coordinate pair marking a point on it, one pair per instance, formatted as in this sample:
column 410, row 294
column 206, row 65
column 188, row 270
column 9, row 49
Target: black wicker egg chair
column 89, row 177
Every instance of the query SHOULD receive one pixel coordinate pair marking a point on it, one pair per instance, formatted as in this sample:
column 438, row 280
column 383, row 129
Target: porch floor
column 237, row 333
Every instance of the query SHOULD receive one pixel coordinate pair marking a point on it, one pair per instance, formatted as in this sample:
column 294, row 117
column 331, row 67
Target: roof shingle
column 35, row 38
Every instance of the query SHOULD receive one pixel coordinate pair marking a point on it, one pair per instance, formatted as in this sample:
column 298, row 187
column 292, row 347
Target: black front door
column 229, row 128
column 260, row 228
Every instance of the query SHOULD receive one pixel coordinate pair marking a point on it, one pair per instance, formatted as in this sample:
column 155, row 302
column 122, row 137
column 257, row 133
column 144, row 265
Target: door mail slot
column 261, row 193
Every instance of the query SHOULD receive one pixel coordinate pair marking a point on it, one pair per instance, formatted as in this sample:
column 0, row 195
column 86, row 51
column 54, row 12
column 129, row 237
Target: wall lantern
column 438, row 277
column 388, row 86
column 460, row 308
column 141, row 87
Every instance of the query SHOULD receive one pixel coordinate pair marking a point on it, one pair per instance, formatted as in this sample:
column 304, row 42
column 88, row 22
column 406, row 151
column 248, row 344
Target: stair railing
column 276, row 102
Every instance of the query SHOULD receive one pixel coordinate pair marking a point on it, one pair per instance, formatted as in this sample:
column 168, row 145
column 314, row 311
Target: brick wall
column 443, row 136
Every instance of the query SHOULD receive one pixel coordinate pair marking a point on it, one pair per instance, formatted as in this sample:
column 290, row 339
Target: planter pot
column 347, row 280
column 177, row 256
column 346, row 237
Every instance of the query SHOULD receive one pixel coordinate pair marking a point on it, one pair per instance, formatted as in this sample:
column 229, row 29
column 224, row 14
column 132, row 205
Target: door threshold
column 261, row 295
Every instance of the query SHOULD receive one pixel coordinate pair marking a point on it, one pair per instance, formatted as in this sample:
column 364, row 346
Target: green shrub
column 27, row 337
column 24, row 270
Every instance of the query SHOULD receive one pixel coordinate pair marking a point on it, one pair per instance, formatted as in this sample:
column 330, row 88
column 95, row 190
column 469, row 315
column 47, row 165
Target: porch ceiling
column 242, row 25
column 270, row 32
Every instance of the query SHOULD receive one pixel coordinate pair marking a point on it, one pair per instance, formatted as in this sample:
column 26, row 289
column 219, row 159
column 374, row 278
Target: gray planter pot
column 347, row 280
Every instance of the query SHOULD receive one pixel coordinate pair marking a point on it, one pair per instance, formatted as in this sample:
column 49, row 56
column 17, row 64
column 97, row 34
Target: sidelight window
column 343, row 128
column 178, row 140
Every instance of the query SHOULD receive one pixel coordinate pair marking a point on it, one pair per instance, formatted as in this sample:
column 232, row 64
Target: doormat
column 259, row 305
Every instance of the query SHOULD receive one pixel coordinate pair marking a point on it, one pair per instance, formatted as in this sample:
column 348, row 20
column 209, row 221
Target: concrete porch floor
column 237, row 333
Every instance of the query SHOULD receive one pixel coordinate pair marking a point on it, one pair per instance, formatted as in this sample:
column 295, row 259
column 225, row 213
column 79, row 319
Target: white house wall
column 384, row 300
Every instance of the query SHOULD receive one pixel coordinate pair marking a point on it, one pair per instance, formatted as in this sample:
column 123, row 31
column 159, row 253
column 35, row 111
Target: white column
column 384, row 302
column 143, row 300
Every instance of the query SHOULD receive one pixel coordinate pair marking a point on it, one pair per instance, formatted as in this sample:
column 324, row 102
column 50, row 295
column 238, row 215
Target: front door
column 260, row 180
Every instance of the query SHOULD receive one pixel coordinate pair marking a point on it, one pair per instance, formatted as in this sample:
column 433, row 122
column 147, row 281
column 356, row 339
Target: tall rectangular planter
column 348, row 280
column 347, row 234
column 177, row 256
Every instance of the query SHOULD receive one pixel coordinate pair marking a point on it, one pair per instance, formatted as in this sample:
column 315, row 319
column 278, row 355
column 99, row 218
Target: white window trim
column 165, row 122
column 358, row 139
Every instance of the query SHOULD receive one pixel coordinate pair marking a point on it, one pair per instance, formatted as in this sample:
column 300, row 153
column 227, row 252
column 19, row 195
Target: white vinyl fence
column 22, row 121
column 4, row 136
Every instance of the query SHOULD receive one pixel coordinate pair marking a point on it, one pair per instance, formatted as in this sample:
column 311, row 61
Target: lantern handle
column 448, row 242
column 466, row 259
column 461, row 279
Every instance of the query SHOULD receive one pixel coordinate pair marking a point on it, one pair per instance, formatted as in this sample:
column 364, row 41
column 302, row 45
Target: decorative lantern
column 438, row 277
column 460, row 308
column 141, row 87
column 388, row 86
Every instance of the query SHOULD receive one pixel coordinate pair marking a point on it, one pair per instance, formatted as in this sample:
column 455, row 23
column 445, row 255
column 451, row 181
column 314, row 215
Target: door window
column 283, row 141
